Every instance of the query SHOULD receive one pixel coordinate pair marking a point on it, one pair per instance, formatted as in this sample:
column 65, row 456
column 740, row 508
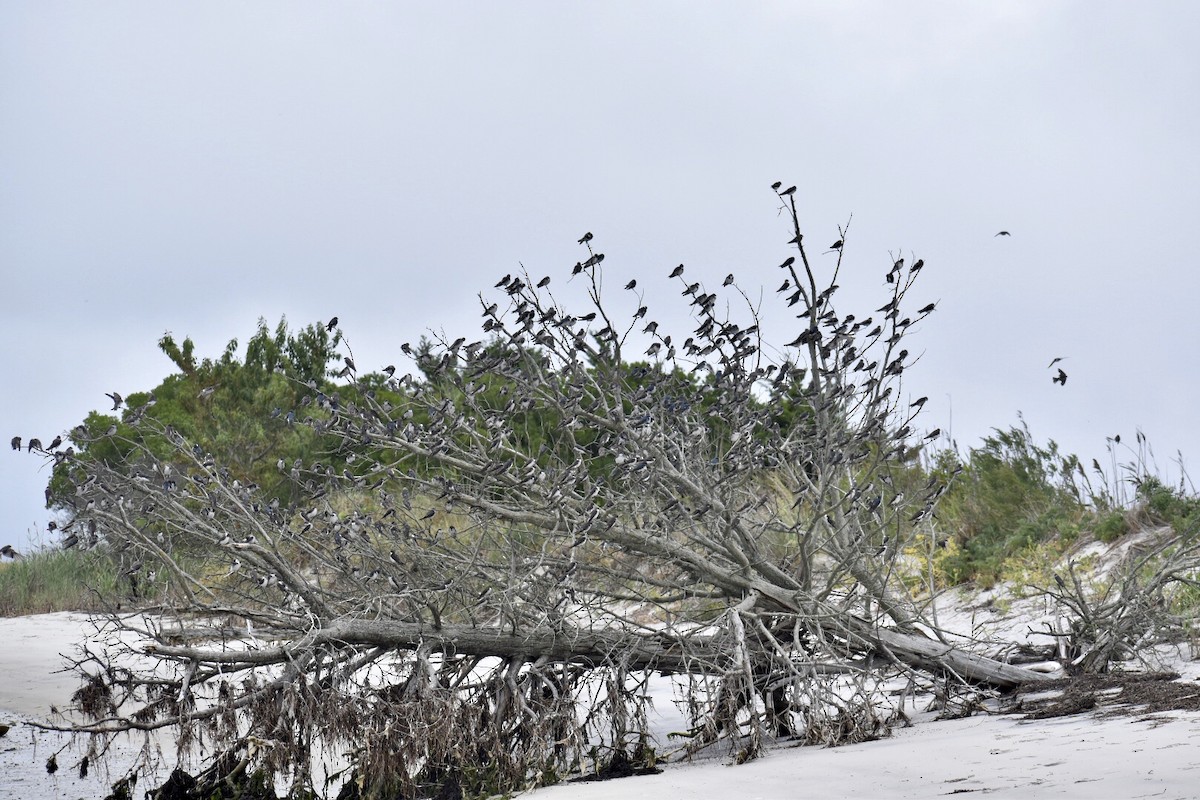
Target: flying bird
column 116, row 398
column 587, row 237
column 1060, row 378
column 8, row 552
column 1002, row 233
column 1055, row 361
column 329, row 326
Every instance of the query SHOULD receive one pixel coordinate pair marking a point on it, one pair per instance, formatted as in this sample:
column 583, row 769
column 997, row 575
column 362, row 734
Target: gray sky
column 192, row 167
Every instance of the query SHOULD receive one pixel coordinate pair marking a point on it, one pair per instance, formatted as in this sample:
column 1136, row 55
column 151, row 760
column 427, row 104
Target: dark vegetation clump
column 1124, row 693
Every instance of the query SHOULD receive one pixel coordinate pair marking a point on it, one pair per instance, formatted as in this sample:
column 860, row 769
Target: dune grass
column 56, row 580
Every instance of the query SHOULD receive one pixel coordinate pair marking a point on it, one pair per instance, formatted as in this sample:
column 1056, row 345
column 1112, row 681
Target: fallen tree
column 532, row 524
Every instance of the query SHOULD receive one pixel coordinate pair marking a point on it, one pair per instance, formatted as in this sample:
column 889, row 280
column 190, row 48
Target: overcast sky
column 192, row 167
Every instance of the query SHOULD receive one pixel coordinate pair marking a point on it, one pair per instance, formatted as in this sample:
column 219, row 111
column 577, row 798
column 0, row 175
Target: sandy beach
column 1091, row 755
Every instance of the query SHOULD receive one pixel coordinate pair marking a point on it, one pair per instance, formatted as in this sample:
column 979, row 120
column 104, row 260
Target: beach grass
column 56, row 580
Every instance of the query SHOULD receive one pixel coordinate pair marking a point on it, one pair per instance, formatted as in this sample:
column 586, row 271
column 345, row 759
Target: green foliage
column 1009, row 495
column 237, row 410
column 1163, row 505
column 1111, row 526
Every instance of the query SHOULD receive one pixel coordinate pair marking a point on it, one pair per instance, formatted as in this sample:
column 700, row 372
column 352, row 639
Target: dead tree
column 553, row 510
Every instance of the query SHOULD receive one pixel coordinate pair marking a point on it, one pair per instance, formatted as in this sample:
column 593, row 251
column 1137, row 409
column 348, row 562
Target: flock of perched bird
column 729, row 344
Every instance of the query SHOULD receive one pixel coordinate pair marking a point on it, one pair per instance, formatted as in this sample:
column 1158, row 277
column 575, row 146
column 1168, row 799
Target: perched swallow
column 544, row 282
column 788, row 191
column 675, row 273
column 728, row 280
column 927, row 309
column 776, row 185
column 34, row 444
column 837, row 245
column 631, row 284
column 587, row 237
column 16, row 443
column 329, row 326
column 57, row 441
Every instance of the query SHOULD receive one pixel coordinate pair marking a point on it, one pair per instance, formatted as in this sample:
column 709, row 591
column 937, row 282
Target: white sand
column 1085, row 756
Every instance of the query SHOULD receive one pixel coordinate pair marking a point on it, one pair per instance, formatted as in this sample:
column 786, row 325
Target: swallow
column 544, row 282
column 776, row 185
column 389, row 370
column 206, row 392
column 34, row 444
column 1002, row 233
column 927, row 309
column 1055, row 361
column 797, row 239
column 594, row 260
column 1060, row 378
column 587, row 237
column 16, row 443
column 631, row 284
column 57, row 441
column 429, row 514
column 8, row 552
column 784, row 287
column 920, row 401
column 675, row 273
column 787, row 262
column 728, row 280
column 116, row 398
column 788, row 191
column 837, row 245
column 329, row 326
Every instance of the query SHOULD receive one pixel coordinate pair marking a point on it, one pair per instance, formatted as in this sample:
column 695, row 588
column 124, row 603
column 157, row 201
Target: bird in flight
column 116, row 398
column 1061, row 377
column 1002, row 233
column 1055, row 361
